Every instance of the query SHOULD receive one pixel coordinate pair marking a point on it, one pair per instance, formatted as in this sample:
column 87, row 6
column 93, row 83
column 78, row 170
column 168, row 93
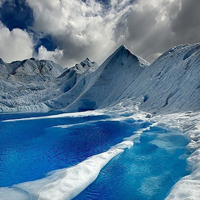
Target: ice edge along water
column 69, row 182
column 187, row 187
column 177, row 73
column 71, row 115
column 57, row 182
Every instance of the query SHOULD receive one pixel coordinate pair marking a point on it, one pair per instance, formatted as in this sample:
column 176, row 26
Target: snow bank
column 63, row 115
column 69, row 182
column 169, row 85
column 184, row 123
column 189, row 124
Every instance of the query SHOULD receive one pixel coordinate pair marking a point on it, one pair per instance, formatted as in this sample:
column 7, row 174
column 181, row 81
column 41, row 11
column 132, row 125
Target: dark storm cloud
column 69, row 31
column 186, row 25
column 147, row 28
column 157, row 25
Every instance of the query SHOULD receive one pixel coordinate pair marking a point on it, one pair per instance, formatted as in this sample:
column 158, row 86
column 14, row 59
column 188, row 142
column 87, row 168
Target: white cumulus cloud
column 15, row 44
column 90, row 29
column 55, row 56
column 80, row 29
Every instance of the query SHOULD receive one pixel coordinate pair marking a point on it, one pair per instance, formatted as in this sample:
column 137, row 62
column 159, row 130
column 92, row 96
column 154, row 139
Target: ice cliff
column 170, row 84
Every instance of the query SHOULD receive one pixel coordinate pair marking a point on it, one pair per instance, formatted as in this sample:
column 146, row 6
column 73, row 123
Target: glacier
column 166, row 93
column 170, row 84
column 83, row 140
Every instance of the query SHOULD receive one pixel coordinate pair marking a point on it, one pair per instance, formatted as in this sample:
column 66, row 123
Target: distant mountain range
column 170, row 84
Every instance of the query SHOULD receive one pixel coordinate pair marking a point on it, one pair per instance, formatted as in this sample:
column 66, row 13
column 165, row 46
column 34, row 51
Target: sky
column 68, row 31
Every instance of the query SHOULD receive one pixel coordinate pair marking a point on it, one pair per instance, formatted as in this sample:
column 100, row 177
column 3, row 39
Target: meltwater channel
column 31, row 148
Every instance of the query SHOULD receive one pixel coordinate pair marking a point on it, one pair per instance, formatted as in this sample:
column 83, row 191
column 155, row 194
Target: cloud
column 185, row 25
column 88, row 28
column 154, row 26
column 1, row 2
column 15, row 44
column 148, row 27
column 79, row 29
column 55, row 55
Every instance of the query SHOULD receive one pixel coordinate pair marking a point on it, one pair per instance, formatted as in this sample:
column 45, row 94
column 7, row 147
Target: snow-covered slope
column 30, row 70
column 71, row 83
column 171, row 84
column 118, row 72
column 169, row 88
column 21, row 79
column 32, row 85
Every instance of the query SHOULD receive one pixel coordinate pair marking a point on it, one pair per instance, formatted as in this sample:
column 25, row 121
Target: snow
column 170, row 84
column 166, row 92
column 66, row 183
column 76, row 114
column 113, row 76
column 38, row 86
column 189, row 123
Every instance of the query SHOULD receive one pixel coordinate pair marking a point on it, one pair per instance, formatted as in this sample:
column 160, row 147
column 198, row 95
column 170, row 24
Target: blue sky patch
column 16, row 14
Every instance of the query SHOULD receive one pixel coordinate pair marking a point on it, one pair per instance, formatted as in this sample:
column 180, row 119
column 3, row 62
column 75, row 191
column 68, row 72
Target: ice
column 65, row 183
column 169, row 85
column 185, row 189
column 72, row 115
column 13, row 194
column 167, row 91
column 187, row 123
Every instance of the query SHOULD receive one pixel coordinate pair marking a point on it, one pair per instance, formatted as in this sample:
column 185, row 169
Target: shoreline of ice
column 71, row 115
column 188, row 187
column 187, row 124
column 66, row 183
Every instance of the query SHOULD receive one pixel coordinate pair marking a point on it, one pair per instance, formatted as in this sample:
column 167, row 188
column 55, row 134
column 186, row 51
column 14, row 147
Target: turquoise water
column 143, row 172
column 30, row 149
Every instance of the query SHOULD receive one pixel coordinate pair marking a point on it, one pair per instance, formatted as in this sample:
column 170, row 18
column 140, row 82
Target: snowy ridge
column 169, row 89
column 170, row 84
column 112, row 77
column 76, row 114
column 28, row 86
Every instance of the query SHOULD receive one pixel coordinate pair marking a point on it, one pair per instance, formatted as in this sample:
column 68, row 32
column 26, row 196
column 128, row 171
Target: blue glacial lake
column 29, row 149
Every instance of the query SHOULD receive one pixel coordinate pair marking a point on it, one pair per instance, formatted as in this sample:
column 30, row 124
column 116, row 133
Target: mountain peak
column 123, row 53
column 1, row 61
column 122, row 48
column 87, row 59
column 85, row 62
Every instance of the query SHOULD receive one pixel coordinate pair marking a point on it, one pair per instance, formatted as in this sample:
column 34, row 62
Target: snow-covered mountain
column 105, row 86
column 125, row 84
column 26, row 85
column 170, row 84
